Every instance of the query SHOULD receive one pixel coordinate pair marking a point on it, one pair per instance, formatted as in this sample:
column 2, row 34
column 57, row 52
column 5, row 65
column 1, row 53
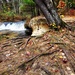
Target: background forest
column 20, row 9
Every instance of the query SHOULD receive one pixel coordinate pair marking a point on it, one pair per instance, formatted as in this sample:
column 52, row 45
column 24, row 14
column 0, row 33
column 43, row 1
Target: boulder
column 39, row 26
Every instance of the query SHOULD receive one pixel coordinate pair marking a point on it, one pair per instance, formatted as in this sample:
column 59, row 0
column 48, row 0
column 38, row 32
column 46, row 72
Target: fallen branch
column 69, row 59
column 60, row 68
column 45, row 70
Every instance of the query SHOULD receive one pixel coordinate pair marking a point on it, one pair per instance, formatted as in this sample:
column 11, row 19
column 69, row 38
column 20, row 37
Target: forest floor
column 51, row 54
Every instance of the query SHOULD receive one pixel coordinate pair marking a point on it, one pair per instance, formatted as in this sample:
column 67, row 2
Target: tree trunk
column 50, row 12
column 45, row 11
column 13, row 3
column 53, row 11
column 37, row 11
column 17, row 6
column 1, row 5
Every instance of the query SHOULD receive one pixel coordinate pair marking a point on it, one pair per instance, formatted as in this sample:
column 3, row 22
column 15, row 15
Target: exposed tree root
column 52, row 54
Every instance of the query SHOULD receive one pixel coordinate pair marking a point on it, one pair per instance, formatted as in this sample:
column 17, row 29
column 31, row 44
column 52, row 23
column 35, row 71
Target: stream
column 17, row 27
column 12, row 26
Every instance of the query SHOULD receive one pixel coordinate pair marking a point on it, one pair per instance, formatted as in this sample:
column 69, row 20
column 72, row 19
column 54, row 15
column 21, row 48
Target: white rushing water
column 13, row 26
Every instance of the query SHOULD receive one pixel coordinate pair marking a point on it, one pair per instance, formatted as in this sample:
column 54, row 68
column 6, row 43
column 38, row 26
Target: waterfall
column 16, row 27
column 13, row 26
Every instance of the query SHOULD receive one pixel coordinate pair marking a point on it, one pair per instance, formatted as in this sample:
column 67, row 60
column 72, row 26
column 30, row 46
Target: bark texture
column 49, row 11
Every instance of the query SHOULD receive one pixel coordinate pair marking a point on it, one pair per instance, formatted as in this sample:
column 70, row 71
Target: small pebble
column 60, row 57
column 72, row 74
column 28, row 53
column 63, row 54
column 15, row 45
column 55, row 59
column 9, row 65
column 64, row 57
column 22, row 54
column 68, row 68
column 11, row 53
column 7, row 55
column 61, row 50
column 20, row 48
column 47, row 63
column 53, row 47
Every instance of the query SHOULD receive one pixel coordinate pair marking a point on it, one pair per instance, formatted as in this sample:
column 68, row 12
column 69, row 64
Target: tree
column 50, row 12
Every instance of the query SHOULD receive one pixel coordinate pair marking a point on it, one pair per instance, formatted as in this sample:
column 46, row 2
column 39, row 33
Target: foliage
column 29, row 2
column 10, row 13
column 27, row 7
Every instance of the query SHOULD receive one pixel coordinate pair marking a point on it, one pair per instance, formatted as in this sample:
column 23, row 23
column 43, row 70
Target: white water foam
column 13, row 26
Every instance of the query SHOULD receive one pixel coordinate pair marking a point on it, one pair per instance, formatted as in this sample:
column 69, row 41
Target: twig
column 20, row 44
column 72, row 55
column 27, row 41
column 69, row 59
column 45, row 70
column 5, row 45
column 61, row 43
column 70, row 39
column 60, row 68
column 43, row 54
column 36, row 57
column 16, row 38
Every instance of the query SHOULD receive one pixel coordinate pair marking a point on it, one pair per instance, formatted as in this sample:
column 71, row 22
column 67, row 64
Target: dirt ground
column 51, row 54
